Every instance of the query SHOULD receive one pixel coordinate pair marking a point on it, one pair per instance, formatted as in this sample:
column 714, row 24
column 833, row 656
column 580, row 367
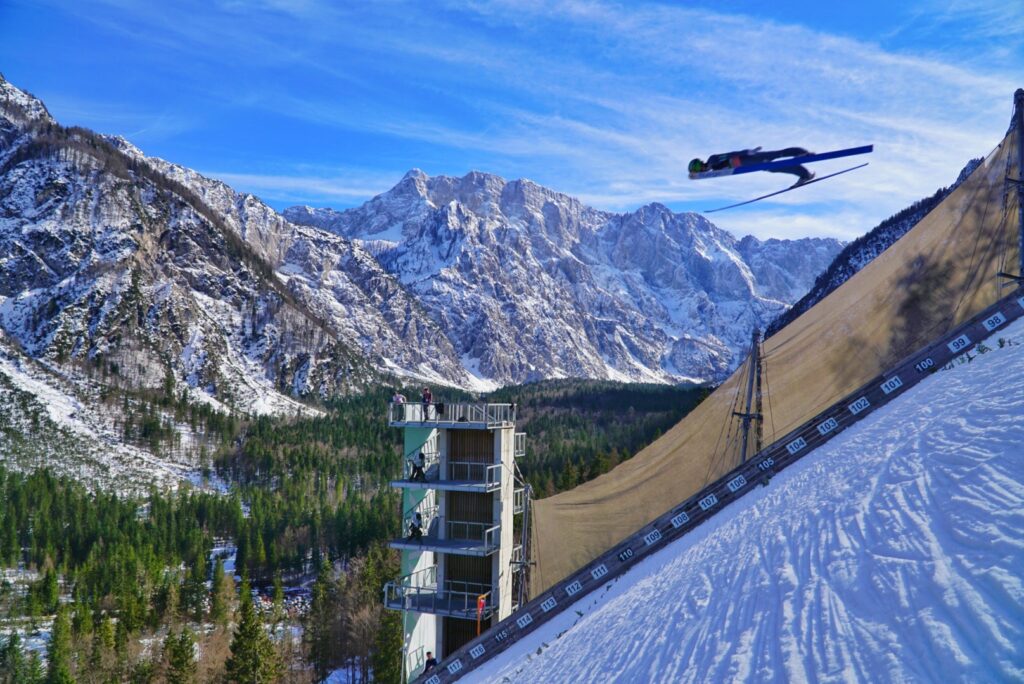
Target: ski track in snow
column 894, row 553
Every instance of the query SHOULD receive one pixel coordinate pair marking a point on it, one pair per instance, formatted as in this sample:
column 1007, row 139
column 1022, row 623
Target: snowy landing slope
column 894, row 553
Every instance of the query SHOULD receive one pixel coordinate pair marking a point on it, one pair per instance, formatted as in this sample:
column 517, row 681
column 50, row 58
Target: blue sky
column 314, row 102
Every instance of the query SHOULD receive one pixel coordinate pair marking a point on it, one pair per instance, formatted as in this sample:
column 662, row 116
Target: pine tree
column 10, row 549
column 382, row 565
column 101, row 655
column 35, row 673
column 13, row 667
column 387, row 649
column 259, row 553
column 82, row 623
column 49, row 591
column 59, row 652
column 193, row 590
column 165, row 600
column 319, row 628
column 219, row 595
column 278, row 596
column 253, row 658
column 144, row 672
column 180, row 653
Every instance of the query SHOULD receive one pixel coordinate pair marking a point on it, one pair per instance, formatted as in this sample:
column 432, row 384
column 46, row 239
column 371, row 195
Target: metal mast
column 749, row 414
column 1018, row 114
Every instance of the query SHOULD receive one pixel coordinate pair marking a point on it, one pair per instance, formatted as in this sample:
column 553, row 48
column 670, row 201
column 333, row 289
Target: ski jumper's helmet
column 696, row 166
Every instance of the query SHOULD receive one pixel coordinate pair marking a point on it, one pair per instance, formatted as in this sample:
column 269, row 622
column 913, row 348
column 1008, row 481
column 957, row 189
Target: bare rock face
column 528, row 283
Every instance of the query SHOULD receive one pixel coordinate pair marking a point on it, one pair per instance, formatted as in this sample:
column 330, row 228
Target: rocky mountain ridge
column 137, row 272
column 530, row 283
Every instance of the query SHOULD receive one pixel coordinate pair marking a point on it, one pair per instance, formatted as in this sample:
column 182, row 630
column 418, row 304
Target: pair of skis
column 786, row 163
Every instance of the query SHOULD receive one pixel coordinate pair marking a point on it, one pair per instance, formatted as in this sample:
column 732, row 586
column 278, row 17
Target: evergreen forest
column 135, row 589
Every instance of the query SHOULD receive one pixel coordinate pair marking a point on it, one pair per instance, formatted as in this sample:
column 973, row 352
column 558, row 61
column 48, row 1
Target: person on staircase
column 418, row 465
column 416, row 528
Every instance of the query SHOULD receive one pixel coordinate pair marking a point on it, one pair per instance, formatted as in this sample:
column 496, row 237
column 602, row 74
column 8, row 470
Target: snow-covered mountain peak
column 473, row 281
column 123, row 144
column 19, row 106
column 647, row 295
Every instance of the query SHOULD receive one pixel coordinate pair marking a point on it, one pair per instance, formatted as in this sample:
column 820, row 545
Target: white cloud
column 609, row 101
column 302, row 189
column 844, row 224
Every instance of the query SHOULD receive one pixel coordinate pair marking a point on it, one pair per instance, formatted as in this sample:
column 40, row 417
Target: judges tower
column 469, row 566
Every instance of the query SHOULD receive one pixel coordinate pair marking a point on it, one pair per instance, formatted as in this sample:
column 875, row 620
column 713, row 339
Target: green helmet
column 696, row 166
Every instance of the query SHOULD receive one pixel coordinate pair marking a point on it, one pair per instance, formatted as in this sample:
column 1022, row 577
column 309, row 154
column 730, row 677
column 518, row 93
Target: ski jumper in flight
column 755, row 156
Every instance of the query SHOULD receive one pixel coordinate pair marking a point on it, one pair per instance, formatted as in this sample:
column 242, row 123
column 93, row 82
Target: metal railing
column 428, row 515
column 426, row 507
column 491, row 415
column 518, row 501
column 517, row 555
column 412, row 664
column 487, row 473
column 520, row 445
column 486, row 533
column 423, row 578
column 420, row 592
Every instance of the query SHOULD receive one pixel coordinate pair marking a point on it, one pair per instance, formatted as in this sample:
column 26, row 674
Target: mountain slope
column 71, row 428
column 151, row 275
column 148, row 271
column 893, row 553
column 529, row 283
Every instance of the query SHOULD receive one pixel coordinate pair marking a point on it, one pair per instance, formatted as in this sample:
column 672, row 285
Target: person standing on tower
column 428, row 398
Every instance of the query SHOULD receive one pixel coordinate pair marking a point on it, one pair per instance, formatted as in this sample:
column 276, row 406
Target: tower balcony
column 421, row 592
column 463, row 416
column 431, row 467
column 459, row 538
column 456, row 476
column 519, row 499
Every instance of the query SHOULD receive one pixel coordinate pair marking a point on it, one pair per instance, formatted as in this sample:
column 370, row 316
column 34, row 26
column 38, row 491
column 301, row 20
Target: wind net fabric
column 939, row 274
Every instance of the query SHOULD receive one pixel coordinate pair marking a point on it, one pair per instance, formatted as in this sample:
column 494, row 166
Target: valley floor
column 893, row 553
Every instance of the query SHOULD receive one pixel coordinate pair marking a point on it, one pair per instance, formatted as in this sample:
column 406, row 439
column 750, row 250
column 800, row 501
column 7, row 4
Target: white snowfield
column 895, row 553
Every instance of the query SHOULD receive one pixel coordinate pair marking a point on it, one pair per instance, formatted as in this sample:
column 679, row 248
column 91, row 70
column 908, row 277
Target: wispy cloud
column 307, row 189
column 140, row 124
column 975, row 20
column 840, row 223
column 604, row 100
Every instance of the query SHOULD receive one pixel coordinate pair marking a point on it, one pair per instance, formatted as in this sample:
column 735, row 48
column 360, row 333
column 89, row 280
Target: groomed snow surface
column 895, row 553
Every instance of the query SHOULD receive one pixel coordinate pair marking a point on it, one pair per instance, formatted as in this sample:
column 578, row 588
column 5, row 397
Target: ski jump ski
column 792, row 187
column 782, row 164
column 792, row 161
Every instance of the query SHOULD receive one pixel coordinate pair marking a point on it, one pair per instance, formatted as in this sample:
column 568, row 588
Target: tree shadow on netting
column 928, row 303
